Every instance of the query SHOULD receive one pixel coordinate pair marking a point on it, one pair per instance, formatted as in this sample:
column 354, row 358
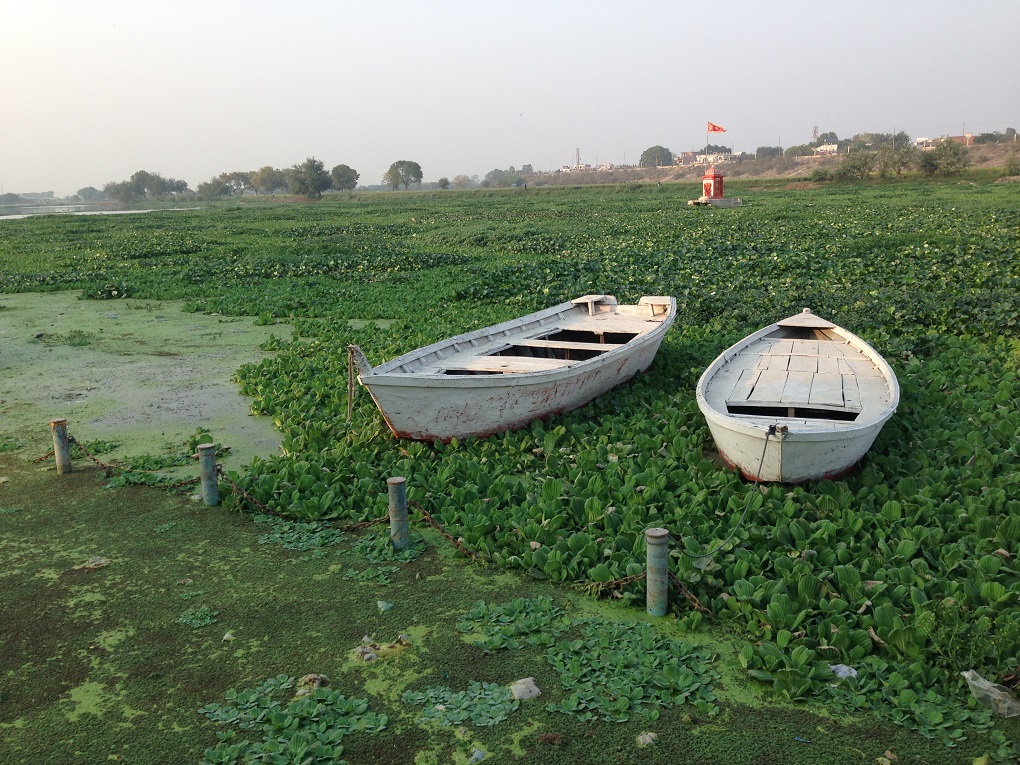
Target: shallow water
column 141, row 373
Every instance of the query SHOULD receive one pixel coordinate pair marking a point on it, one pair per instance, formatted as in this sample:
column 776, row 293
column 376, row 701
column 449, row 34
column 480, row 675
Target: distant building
column 827, row 148
column 927, row 144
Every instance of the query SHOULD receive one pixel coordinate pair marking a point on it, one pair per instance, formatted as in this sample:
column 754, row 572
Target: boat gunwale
column 385, row 373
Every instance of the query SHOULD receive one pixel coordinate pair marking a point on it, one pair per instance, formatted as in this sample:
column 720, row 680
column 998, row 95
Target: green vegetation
column 904, row 571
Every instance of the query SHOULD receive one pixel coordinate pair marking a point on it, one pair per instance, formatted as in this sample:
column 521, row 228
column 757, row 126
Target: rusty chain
column 46, row 456
column 692, row 601
column 277, row 514
column 428, row 519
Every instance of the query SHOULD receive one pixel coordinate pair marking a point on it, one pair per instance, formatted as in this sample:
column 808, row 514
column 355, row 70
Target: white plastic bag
column 998, row 697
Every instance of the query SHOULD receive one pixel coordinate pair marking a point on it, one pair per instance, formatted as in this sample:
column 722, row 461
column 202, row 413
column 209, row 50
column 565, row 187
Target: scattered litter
column 403, row 639
column 309, row 683
column 383, row 606
column 842, row 670
column 535, row 545
column 94, row 563
column 800, row 740
column 111, row 316
column 369, row 642
column 991, row 695
column 365, row 653
column 890, row 755
column 647, row 739
column 525, row 689
column 4, row 479
column 227, row 637
column 477, row 755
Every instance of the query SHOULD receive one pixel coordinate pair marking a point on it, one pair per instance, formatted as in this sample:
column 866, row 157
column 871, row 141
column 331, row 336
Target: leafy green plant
column 481, row 704
column 308, row 729
column 196, row 618
column 617, row 671
column 522, row 621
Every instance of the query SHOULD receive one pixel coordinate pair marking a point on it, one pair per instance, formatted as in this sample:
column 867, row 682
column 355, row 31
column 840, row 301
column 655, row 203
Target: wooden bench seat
column 507, row 364
column 567, row 345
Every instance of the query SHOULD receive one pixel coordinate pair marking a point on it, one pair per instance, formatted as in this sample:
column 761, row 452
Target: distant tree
column 214, row 188
column 120, row 191
column 825, row 138
column 714, row 148
column 402, row 173
column 144, row 185
column 804, row 150
column 527, row 170
column 267, row 180
column 855, row 166
column 344, row 178
column 238, row 181
column 501, row 179
column 656, row 156
column 444, row 183
column 947, row 159
column 462, row 181
column 309, row 178
column 10, row 199
column 895, row 159
column 90, row 194
column 768, row 152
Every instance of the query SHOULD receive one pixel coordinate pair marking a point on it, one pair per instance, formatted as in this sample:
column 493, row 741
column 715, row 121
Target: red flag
column 713, row 128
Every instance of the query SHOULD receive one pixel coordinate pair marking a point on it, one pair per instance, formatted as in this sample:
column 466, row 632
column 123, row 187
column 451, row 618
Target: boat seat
column 506, row 364
column 567, row 345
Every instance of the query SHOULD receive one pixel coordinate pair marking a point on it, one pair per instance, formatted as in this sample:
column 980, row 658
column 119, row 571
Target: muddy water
column 140, row 373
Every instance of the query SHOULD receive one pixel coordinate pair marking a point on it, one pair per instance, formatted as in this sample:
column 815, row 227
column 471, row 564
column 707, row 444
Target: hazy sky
column 93, row 90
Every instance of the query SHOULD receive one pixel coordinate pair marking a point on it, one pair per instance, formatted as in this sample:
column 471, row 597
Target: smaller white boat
column 800, row 400
column 502, row 377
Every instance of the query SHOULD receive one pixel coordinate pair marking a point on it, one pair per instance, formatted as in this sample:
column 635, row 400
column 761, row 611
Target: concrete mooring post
column 210, row 483
column 400, row 536
column 61, row 446
column 657, row 572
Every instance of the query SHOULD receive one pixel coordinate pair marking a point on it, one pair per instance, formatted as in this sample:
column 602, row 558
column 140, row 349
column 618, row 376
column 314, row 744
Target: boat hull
column 441, row 407
column 799, row 455
column 842, row 410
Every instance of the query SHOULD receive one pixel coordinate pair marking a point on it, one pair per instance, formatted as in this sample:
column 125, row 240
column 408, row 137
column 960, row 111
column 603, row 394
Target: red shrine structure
column 712, row 191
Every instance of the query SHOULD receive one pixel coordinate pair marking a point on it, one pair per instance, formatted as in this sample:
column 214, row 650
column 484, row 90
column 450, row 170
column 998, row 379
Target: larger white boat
column 799, row 400
column 502, row 377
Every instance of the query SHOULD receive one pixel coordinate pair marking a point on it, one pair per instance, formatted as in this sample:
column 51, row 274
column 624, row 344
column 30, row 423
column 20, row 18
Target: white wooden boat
column 818, row 393
column 503, row 377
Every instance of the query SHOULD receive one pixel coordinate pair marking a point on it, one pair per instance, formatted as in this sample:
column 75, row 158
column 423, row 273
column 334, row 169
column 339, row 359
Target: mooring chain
column 277, row 514
column 111, row 469
column 46, row 456
column 427, row 517
column 691, row 599
column 245, row 495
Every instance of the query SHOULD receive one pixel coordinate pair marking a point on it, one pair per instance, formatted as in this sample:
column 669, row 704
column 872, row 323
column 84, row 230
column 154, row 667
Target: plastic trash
column 383, row 606
column 998, row 697
column 525, row 689
column 477, row 755
column 646, row 738
column 842, row 670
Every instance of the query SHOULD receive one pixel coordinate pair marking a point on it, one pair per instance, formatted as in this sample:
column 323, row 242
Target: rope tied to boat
column 772, row 431
column 350, row 383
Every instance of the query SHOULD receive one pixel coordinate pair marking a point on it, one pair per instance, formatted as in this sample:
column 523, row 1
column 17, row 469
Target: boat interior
column 802, row 372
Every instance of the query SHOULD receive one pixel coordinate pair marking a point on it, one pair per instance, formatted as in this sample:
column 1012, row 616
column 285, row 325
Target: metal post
column 61, row 446
column 210, row 484
column 399, row 534
column 657, row 573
